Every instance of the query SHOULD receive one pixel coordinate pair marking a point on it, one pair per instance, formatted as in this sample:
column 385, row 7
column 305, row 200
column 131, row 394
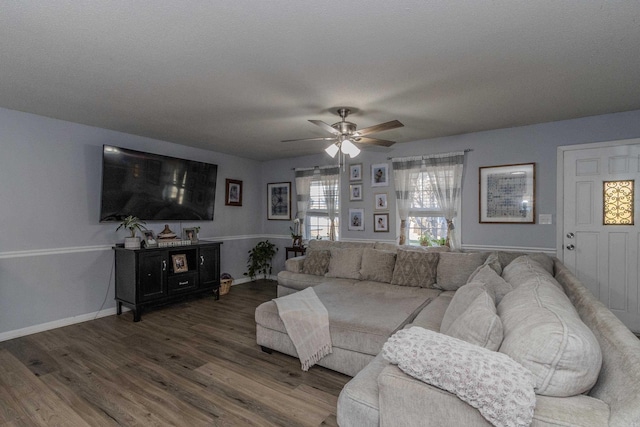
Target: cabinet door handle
column 164, row 265
column 201, row 260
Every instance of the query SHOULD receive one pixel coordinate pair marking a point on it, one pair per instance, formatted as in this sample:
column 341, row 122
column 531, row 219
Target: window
column 317, row 219
column 425, row 216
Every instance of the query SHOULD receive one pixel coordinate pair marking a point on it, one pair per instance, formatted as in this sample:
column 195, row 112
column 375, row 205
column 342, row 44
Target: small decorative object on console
column 132, row 224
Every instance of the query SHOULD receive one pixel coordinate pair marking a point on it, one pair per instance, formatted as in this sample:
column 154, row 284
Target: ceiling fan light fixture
column 332, row 150
column 349, row 148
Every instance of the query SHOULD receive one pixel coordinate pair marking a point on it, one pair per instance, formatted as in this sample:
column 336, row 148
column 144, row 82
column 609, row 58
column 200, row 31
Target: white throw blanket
column 306, row 320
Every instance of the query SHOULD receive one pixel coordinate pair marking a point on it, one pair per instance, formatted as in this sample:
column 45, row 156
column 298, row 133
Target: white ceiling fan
column 346, row 135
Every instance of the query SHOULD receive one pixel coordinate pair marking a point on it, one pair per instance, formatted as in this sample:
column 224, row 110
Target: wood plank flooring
column 190, row 364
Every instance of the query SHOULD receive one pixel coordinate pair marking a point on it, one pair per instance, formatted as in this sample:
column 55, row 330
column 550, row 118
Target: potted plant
column 260, row 259
column 132, row 223
column 425, row 240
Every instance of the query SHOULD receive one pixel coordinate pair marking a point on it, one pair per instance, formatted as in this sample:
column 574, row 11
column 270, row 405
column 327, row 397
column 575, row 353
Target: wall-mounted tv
column 154, row 187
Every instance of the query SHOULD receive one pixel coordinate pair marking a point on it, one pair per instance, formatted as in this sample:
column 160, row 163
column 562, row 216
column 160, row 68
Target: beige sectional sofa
column 586, row 364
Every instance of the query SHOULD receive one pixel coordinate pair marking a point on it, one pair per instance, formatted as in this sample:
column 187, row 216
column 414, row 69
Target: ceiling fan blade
column 329, row 138
column 375, row 141
column 325, row 126
column 379, row 128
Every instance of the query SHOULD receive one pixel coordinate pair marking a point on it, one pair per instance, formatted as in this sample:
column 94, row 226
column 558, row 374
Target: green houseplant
column 132, row 223
column 260, row 259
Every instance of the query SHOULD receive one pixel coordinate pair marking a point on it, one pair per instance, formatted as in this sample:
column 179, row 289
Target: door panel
column 603, row 257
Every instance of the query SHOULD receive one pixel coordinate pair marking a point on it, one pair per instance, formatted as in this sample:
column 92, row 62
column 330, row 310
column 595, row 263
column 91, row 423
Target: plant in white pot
column 132, row 223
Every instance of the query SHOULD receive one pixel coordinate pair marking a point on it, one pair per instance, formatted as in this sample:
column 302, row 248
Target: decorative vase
column 132, row 243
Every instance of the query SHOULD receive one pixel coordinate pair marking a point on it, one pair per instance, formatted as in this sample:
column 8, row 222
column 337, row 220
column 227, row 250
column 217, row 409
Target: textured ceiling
column 239, row 76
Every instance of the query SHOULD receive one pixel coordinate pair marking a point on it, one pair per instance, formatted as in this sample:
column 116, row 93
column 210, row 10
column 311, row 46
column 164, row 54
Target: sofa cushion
column 544, row 260
column 345, row 263
column 316, row 262
column 414, row 268
column 430, row 317
column 377, row 265
column 500, row 388
column 454, row 268
column 492, row 262
column 487, row 276
column 478, row 324
column 524, row 269
column 543, row 332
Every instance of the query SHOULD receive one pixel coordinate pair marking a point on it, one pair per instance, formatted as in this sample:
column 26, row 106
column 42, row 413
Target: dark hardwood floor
column 190, row 364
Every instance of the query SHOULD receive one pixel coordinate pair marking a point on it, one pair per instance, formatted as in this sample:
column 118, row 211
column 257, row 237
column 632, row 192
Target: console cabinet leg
column 136, row 314
column 119, row 309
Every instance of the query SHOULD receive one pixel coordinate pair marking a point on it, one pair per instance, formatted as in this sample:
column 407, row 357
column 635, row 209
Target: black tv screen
column 154, row 187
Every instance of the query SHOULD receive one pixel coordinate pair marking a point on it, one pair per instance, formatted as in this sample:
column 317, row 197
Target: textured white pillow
column 500, row 388
column 345, row 263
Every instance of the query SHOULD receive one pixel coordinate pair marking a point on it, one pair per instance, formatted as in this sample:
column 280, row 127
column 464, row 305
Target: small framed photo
column 507, row 194
column 355, row 172
column 179, row 263
column 356, row 219
column 190, row 234
column 149, row 238
column 380, row 202
column 381, row 222
column 233, row 193
column 380, row 175
column 355, row 192
column 279, row 201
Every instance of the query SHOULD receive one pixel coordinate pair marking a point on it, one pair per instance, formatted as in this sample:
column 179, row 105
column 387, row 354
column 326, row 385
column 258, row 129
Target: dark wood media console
column 146, row 277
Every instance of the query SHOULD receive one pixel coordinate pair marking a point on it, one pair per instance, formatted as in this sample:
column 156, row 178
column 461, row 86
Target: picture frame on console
column 279, row 201
column 233, row 192
column 179, row 263
column 149, row 239
column 190, row 233
column 507, row 194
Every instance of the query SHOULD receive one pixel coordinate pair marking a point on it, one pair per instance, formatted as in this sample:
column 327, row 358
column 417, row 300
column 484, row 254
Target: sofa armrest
column 294, row 265
column 406, row 401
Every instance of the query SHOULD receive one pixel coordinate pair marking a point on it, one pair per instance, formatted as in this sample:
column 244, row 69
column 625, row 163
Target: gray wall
column 55, row 257
column 527, row 144
column 56, row 264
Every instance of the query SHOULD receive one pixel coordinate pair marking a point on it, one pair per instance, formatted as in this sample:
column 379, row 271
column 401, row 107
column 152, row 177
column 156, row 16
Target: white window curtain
column 405, row 173
column 303, row 195
column 330, row 180
column 445, row 173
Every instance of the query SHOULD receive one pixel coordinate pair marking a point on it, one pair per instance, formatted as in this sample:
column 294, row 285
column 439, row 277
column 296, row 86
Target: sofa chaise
column 372, row 290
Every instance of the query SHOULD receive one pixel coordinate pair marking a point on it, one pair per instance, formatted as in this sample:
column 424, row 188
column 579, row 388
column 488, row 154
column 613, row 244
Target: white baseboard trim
column 9, row 335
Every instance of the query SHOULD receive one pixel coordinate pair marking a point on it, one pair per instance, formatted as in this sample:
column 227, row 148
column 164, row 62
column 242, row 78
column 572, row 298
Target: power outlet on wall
column 545, row 219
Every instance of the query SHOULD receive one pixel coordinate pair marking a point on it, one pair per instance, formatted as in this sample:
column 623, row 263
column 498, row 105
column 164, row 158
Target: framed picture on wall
column 279, row 201
column 380, row 175
column 380, row 202
column 233, row 192
column 355, row 172
column 355, row 192
column 507, row 194
column 381, row 222
column 356, row 220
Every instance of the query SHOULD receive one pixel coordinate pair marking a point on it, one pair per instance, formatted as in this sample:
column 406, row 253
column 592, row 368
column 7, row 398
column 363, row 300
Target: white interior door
column 603, row 256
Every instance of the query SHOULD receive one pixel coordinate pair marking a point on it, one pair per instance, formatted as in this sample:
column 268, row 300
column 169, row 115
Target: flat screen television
column 154, row 187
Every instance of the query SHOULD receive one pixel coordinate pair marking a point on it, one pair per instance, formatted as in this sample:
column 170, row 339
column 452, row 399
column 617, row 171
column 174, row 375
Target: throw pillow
column 523, row 269
column 345, row 263
column 487, row 276
column 543, row 259
column 316, row 262
column 416, row 269
column 377, row 265
column 454, row 268
column 500, row 388
column 478, row 324
column 543, row 332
